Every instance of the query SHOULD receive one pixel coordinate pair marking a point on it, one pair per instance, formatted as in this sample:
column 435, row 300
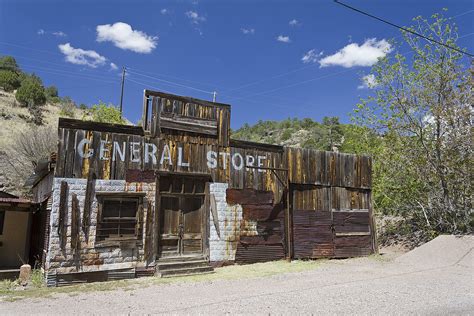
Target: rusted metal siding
column 262, row 228
column 313, row 234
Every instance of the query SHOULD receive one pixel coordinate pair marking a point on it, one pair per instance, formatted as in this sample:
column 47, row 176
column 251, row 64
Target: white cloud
column 80, row 56
column 164, row 11
column 123, row 36
column 294, row 22
column 59, row 34
column 311, row 56
column 195, row 17
column 113, row 66
column 40, row 32
column 284, row 39
column 352, row 55
column 368, row 82
column 248, row 31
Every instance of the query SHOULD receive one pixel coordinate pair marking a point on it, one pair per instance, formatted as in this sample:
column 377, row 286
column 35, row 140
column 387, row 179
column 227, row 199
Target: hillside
column 16, row 124
column 330, row 134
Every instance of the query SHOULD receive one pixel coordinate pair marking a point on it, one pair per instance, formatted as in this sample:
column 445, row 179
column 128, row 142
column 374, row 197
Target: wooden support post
column 156, row 219
column 86, row 214
column 62, row 221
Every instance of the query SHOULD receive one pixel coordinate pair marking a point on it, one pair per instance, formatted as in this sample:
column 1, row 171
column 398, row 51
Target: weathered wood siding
column 81, row 137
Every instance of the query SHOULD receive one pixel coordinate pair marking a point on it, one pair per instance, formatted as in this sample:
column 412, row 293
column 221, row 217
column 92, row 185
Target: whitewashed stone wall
column 223, row 247
column 92, row 258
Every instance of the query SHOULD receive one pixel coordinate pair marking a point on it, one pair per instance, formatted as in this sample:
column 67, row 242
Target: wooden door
column 170, row 218
column 181, row 216
column 191, row 237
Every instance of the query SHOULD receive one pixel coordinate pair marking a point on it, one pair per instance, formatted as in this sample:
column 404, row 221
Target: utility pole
column 214, row 94
column 121, row 92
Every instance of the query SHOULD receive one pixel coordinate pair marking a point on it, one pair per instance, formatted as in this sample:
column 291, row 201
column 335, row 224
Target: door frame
column 205, row 217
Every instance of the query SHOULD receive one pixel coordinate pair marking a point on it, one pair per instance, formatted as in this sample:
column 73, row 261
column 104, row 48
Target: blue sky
column 250, row 52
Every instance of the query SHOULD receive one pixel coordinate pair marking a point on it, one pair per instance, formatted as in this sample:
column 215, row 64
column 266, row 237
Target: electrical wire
column 173, row 77
column 87, row 76
column 171, row 83
column 404, row 29
column 70, row 75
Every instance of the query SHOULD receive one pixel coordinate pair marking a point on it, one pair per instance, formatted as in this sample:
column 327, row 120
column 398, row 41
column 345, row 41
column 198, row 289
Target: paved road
column 355, row 286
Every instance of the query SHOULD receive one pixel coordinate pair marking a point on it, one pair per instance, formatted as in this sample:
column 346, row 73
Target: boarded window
column 119, row 218
column 2, row 220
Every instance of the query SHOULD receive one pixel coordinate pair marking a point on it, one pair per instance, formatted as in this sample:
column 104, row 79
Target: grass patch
column 10, row 291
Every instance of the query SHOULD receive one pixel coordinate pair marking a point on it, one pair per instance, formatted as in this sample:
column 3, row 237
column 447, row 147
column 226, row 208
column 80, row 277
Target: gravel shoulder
column 372, row 285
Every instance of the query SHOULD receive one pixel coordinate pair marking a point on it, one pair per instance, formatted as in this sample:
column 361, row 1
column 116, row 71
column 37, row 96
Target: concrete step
column 185, row 271
column 167, row 265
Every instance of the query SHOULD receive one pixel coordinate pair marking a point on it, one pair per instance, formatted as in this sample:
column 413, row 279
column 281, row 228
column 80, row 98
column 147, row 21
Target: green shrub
column 36, row 114
column 9, row 63
column 51, row 92
column 54, row 100
column 9, row 80
column 37, row 278
column 286, row 134
column 67, row 109
column 106, row 113
column 31, row 91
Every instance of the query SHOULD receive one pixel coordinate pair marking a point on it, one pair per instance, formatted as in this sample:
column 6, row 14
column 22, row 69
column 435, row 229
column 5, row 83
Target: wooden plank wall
column 307, row 166
column 194, row 149
column 172, row 112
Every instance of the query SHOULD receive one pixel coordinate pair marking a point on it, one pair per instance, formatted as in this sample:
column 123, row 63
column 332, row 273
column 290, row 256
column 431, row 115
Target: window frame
column 3, row 214
column 137, row 237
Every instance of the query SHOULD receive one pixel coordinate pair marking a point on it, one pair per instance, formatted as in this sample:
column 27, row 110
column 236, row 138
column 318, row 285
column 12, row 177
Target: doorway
column 181, row 216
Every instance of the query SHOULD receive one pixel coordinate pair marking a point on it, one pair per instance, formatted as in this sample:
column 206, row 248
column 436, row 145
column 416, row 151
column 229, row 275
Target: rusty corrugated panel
column 345, row 222
column 257, row 212
column 137, row 175
column 249, row 196
column 247, row 254
column 353, row 246
column 313, row 235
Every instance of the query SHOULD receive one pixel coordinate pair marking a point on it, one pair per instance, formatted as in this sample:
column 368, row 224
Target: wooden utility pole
column 121, row 91
column 214, row 94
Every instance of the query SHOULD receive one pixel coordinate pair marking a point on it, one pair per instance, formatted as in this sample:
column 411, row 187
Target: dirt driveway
column 411, row 284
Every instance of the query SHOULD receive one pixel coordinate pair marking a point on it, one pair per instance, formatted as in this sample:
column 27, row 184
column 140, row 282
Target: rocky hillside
column 327, row 135
column 16, row 124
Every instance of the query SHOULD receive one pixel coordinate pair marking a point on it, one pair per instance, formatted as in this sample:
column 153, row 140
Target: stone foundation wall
column 92, row 257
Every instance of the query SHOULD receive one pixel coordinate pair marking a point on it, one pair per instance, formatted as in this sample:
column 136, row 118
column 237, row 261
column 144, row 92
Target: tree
column 51, row 92
column 9, row 80
column 9, row 63
column 104, row 113
column 31, row 91
column 421, row 110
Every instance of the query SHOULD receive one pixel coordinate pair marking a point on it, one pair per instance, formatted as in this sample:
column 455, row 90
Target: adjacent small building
column 178, row 195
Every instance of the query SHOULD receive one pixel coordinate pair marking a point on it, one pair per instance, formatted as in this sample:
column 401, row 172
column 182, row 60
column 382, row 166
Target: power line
column 461, row 14
column 404, row 29
column 270, row 78
column 293, row 84
column 39, row 68
column 171, row 82
column 69, row 74
column 208, row 84
column 29, row 48
column 148, row 85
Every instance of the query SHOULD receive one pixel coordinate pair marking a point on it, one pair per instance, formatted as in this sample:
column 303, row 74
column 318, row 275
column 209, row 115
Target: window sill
column 124, row 243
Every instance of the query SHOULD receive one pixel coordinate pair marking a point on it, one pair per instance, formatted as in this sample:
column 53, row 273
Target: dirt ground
column 436, row 278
